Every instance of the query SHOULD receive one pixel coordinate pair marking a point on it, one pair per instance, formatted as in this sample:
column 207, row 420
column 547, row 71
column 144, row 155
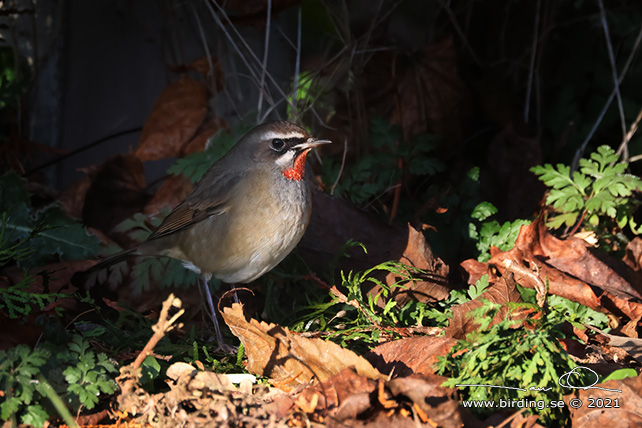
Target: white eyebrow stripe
column 270, row 135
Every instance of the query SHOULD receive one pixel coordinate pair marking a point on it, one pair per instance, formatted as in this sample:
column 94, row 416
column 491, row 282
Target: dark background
column 504, row 84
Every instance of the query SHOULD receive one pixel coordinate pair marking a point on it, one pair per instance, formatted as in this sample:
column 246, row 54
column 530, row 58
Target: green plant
column 489, row 234
column 440, row 312
column 359, row 317
column 374, row 174
column 526, row 358
column 24, row 372
column 30, row 238
column 568, row 310
column 19, row 368
column 598, row 197
column 51, row 235
column 89, row 374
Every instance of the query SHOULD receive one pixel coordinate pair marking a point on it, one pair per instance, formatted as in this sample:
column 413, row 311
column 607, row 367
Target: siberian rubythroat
column 247, row 213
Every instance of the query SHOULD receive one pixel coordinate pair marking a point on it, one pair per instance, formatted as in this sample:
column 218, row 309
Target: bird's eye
column 278, row 144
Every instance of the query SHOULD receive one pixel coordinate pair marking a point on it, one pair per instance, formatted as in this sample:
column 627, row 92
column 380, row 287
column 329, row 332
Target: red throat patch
column 298, row 170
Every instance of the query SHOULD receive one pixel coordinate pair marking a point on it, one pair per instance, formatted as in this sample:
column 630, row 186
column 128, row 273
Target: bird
column 246, row 214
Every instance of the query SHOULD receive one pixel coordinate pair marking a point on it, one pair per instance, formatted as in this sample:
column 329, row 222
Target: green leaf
column 483, row 210
column 620, row 374
column 8, row 407
column 35, row 416
column 150, row 369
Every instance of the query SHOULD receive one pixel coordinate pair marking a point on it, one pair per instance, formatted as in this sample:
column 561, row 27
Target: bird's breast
column 263, row 224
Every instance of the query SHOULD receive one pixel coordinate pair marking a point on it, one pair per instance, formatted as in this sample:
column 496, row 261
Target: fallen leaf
column 177, row 114
column 208, row 128
column 411, row 355
column 334, row 222
column 437, row 402
column 171, row 193
column 419, row 254
column 333, row 393
column 632, row 346
column 204, row 66
column 575, row 258
column 72, row 199
column 593, row 411
column 528, row 256
column 117, row 192
column 501, row 292
column 506, row 178
column 288, row 359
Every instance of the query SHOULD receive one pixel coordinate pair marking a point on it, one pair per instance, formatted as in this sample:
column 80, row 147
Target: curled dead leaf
column 288, row 359
column 177, row 114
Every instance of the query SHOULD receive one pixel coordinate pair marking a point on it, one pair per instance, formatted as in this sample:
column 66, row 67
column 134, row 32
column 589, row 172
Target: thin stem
column 609, row 48
column 266, row 51
column 531, row 68
column 580, row 151
column 297, row 62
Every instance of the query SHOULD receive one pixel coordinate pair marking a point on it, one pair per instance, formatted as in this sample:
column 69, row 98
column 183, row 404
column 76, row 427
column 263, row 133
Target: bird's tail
column 116, row 258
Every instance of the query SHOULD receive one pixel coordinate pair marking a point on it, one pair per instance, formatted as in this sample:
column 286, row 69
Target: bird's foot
column 226, row 349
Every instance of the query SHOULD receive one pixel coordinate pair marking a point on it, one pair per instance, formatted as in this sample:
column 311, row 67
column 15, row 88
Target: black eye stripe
column 280, row 144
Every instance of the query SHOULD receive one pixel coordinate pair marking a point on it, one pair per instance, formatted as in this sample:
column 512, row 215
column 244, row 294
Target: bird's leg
column 236, row 297
column 205, row 279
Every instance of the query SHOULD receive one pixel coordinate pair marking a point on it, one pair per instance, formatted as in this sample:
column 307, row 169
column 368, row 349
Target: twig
column 211, row 75
column 580, row 151
column 609, row 48
column 343, row 163
column 220, row 23
column 531, row 68
column 266, row 51
column 297, row 62
column 163, row 325
column 82, row 149
column 628, row 136
column 354, row 303
column 460, row 33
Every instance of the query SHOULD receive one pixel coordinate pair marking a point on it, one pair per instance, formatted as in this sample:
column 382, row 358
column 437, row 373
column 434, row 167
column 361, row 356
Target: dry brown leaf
column 334, row 222
column 633, row 259
column 208, row 128
column 169, row 194
column 72, row 200
column 575, row 258
column 335, row 393
column 476, row 270
column 177, row 114
column 117, row 192
column 291, row 360
column 592, row 412
column 506, row 175
column 631, row 328
column 502, row 291
column 418, row 254
column 432, row 98
column 528, row 256
column 215, row 78
column 412, row 355
column 437, row 402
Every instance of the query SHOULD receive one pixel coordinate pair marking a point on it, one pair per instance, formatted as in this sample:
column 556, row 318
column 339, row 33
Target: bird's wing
column 210, row 197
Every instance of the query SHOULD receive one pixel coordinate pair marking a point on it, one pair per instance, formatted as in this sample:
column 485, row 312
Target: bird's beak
column 311, row 143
